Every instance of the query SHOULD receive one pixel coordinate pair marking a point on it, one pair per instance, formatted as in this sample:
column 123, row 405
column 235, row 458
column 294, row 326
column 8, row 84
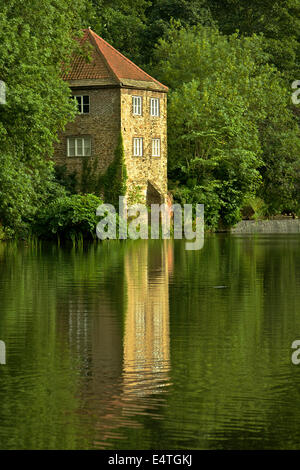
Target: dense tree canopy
column 229, row 121
column 196, row 71
column 35, row 38
column 121, row 23
column 278, row 21
column 135, row 26
column 233, row 131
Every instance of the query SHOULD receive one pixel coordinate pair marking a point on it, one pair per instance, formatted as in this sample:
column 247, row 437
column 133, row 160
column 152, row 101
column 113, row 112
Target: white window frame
column 156, row 147
column 155, row 107
column 80, row 104
column 84, row 146
column 137, row 105
column 138, row 146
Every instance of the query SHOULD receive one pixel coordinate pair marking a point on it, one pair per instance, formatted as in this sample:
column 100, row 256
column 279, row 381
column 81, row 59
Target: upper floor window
column 154, row 107
column 138, row 147
column 137, row 105
column 79, row 146
column 83, row 102
column 155, row 147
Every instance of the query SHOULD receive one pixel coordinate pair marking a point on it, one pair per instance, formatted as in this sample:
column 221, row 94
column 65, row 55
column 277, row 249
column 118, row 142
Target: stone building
column 114, row 95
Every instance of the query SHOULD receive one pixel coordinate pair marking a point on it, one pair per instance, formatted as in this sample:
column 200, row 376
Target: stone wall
column 146, row 168
column 102, row 124
column 267, row 226
column 110, row 112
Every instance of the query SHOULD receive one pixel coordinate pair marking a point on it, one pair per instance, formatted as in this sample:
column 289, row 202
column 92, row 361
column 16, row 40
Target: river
column 144, row 345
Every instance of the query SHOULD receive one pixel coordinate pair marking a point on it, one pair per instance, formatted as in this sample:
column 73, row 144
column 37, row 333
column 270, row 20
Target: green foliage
column 35, row 38
column 116, row 21
column 113, row 182
column 277, row 20
column 135, row 195
column 250, row 103
column 91, row 179
column 204, row 195
column 281, row 170
column 89, row 182
column 228, row 120
column 189, row 12
column 232, row 135
column 22, row 191
column 69, row 218
column 144, row 21
column 163, row 12
column 254, row 208
column 65, row 178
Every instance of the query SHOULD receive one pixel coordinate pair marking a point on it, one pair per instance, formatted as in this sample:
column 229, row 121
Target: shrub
column 201, row 195
column 69, row 218
column 254, row 208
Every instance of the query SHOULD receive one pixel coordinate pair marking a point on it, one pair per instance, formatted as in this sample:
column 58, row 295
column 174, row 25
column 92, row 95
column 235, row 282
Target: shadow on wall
column 154, row 196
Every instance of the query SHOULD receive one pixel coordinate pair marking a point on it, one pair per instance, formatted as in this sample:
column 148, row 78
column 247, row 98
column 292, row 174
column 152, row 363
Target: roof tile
column 107, row 63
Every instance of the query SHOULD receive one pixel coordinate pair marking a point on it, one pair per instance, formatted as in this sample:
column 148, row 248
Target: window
column 83, row 104
column 137, row 105
column 138, row 147
column 154, row 107
column 155, row 147
column 79, row 146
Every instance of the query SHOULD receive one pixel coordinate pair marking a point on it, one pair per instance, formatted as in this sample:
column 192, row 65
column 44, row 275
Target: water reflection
column 147, row 332
column 124, row 347
column 129, row 345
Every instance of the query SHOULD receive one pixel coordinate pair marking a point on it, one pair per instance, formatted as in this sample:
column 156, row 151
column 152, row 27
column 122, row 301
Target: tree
column 121, row 23
column 162, row 12
column 226, row 106
column 134, row 26
column 278, row 21
column 36, row 37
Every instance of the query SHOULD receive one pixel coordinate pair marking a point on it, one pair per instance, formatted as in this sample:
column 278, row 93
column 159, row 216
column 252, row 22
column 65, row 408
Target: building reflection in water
column 146, row 351
column 122, row 338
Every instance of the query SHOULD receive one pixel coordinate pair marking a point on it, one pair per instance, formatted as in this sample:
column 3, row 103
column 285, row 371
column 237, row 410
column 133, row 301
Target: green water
column 143, row 345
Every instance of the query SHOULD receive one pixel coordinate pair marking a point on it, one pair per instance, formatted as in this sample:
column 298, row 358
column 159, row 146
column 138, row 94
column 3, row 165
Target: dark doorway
column 153, row 195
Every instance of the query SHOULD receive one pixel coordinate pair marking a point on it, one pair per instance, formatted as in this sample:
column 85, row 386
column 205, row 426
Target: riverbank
column 267, row 226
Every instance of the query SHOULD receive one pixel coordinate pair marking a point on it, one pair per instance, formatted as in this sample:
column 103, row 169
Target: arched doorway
column 153, row 195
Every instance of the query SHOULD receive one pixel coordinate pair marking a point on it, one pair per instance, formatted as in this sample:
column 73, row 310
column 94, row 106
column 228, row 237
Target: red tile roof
column 108, row 64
